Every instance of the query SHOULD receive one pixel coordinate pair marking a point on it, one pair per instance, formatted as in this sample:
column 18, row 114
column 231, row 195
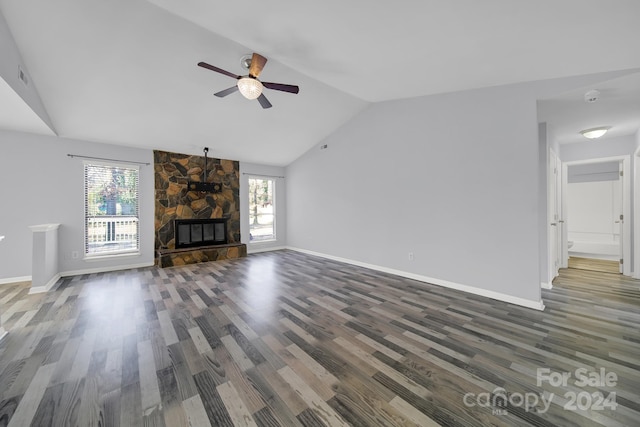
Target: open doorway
column 596, row 204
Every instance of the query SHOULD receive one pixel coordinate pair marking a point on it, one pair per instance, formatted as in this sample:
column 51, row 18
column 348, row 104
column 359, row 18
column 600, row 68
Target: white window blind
column 111, row 209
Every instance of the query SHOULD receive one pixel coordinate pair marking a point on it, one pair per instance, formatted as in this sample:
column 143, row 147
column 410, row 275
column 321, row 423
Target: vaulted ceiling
column 124, row 71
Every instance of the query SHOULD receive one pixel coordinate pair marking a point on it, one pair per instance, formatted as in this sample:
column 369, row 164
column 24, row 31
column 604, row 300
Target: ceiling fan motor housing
column 245, row 62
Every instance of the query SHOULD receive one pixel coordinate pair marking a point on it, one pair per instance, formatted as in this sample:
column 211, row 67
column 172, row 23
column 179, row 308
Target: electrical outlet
column 410, row 256
column 75, row 255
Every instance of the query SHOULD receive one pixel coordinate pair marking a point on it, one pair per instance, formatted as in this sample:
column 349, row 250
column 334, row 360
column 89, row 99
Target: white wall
column 276, row 173
column 41, row 185
column 435, row 176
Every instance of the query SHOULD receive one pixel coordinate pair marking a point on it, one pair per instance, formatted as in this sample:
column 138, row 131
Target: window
column 111, row 209
column 261, row 209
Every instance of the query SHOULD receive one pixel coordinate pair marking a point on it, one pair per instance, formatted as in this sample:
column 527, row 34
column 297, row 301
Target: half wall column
column 44, row 270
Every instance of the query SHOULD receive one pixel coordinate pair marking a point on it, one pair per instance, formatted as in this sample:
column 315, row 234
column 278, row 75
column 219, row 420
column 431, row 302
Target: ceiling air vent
column 22, row 76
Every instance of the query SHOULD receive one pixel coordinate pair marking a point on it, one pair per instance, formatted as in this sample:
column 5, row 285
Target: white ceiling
column 124, row 71
column 618, row 106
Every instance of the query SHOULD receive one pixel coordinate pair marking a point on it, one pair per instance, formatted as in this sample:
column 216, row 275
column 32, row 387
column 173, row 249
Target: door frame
column 636, row 215
column 626, row 206
column 555, row 220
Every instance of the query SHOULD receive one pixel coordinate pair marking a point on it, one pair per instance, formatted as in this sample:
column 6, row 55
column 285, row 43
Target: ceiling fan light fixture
column 595, row 133
column 250, row 87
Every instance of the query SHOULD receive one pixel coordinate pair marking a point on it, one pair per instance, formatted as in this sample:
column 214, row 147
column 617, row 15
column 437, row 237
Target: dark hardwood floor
column 287, row 339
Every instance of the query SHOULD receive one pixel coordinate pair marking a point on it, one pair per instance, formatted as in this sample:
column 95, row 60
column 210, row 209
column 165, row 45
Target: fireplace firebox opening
column 200, row 232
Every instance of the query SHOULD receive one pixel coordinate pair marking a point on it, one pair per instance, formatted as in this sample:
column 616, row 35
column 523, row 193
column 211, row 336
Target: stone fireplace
column 196, row 226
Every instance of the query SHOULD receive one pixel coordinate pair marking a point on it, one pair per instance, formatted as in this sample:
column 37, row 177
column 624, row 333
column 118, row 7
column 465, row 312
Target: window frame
column 273, row 204
column 114, row 253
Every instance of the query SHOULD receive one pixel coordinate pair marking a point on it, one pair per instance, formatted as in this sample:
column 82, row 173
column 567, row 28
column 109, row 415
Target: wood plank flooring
column 287, row 339
column 592, row 264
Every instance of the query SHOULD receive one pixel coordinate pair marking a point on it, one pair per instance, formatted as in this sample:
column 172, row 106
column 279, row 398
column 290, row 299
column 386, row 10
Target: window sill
column 258, row 242
column 104, row 257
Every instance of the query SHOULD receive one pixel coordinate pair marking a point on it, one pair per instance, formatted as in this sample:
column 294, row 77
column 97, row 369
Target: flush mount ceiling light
column 594, row 133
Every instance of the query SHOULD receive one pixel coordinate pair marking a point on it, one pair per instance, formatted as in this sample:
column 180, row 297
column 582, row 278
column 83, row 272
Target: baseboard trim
column 536, row 305
column 105, row 269
column 15, row 280
column 264, row 249
column 46, row 287
column 546, row 285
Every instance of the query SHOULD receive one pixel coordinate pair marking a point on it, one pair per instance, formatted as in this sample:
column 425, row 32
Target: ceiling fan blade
column 264, row 101
column 226, row 92
column 257, row 64
column 282, row 87
column 217, row 70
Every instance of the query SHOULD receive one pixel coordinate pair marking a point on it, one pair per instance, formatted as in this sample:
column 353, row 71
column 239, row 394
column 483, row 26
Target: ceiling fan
column 249, row 86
